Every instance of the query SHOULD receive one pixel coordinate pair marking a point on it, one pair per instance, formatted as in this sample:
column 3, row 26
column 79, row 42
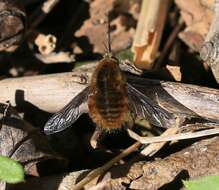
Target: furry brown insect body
column 108, row 101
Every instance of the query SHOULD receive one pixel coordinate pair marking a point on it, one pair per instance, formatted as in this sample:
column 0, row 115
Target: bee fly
column 110, row 101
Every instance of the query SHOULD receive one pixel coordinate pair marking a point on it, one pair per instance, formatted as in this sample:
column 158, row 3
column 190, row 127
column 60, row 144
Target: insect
column 110, row 101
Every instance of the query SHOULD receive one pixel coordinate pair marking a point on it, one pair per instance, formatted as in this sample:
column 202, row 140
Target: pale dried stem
column 52, row 92
column 149, row 31
column 151, row 149
column 176, row 137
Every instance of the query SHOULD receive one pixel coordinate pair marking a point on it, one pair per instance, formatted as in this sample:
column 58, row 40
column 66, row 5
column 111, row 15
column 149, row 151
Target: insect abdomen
column 108, row 110
column 110, row 104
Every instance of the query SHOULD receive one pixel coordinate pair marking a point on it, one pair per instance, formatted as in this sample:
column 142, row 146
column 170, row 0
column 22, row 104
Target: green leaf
column 125, row 54
column 10, row 170
column 205, row 183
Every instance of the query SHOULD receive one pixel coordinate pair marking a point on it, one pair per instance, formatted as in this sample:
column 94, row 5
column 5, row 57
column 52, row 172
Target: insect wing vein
column 69, row 114
column 144, row 107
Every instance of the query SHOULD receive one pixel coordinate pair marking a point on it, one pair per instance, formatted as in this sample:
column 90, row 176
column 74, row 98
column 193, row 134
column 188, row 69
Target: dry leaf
column 123, row 15
column 22, row 142
column 198, row 15
column 175, row 72
column 12, row 22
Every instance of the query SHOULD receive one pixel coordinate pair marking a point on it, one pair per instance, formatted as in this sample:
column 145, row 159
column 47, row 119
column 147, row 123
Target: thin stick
column 71, row 26
column 151, row 149
column 93, row 174
column 169, row 43
column 108, row 34
column 38, row 16
column 189, row 135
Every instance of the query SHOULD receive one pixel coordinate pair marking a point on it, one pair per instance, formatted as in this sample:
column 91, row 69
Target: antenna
column 108, row 34
column 107, row 43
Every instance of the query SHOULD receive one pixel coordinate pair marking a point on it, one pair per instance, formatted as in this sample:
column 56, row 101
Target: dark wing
column 142, row 106
column 69, row 114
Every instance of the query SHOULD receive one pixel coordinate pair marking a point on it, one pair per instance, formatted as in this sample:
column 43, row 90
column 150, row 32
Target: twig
column 151, row 149
column 169, row 43
column 189, row 135
column 95, row 173
column 71, row 25
column 39, row 14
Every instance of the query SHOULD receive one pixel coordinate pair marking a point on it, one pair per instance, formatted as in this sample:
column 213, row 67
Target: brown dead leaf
column 12, row 22
column 175, row 72
column 198, row 15
column 123, row 20
column 22, row 142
